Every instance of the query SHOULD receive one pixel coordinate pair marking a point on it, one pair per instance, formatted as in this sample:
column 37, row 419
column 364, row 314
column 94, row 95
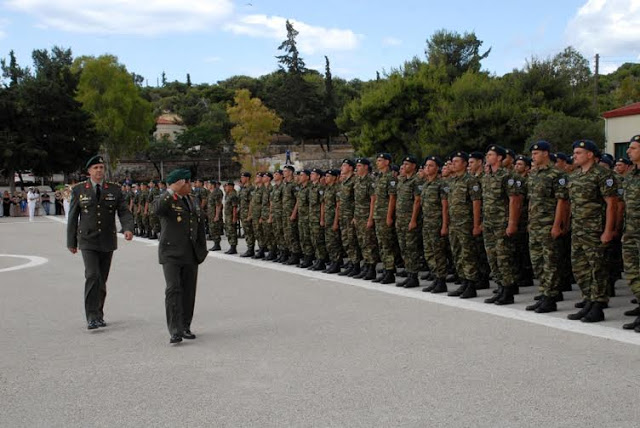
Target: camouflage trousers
column 306, row 245
column 277, row 232
column 291, row 235
column 257, row 231
column 588, row 261
column 367, row 241
column 231, row 231
column 631, row 255
column 139, row 222
column 435, row 249
column 463, row 250
column 333, row 243
column 523, row 259
column 249, row 235
column 215, row 229
column 484, row 267
column 317, row 238
column 145, row 222
column 350, row 240
column 387, row 242
column 266, row 229
column 501, row 253
column 409, row 241
column 545, row 259
column 154, row 223
column 566, row 269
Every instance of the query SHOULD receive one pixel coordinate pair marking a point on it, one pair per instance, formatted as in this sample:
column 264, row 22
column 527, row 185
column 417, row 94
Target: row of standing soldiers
column 474, row 217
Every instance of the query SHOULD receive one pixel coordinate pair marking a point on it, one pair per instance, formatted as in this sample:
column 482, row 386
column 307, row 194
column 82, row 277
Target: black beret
column 386, row 156
column 478, row 155
column 278, row 171
column 524, row 159
column 349, row 162
column 318, row 171
column 259, row 174
column 306, row 172
column 230, row 183
column 462, row 155
column 177, row 175
column 395, row 168
column 570, row 161
column 562, row 156
column 163, row 182
column 267, row 174
column 608, row 159
column 499, row 150
column 552, row 157
column 540, row 145
column 436, row 159
column 363, row 161
column 246, row 174
column 155, row 181
column 510, row 152
column 411, row 159
column 635, row 138
column 97, row 159
column 587, row 145
column 624, row 161
column 290, row 168
column 334, row 172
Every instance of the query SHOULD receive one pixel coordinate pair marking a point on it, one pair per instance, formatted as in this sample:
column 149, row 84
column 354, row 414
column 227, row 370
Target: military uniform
column 347, row 228
column 408, row 189
column 256, row 213
column 432, row 198
column 245, row 196
column 332, row 238
column 631, row 237
column 214, row 203
column 277, row 228
column 266, row 228
column 304, row 232
column 290, row 227
column 363, row 191
column 154, row 222
column 316, row 192
column 91, row 228
column 385, row 189
column 231, row 204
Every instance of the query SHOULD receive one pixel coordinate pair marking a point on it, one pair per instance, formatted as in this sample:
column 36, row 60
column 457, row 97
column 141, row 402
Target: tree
column 456, row 53
column 254, row 124
column 163, row 79
column 562, row 130
column 121, row 116
column 188, row 80
column 291, row 61
column 330, row 127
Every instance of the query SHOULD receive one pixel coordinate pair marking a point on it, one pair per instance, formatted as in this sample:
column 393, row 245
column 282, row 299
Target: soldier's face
column 346, row 169
column 621, row 168
column 633, row 152
column 458, row 165
column 507, row 162
column 329, row 179
column 431, row 168
column 409, row 167
column 96, row 172
column 581, row 156
column 520, row 167
column 315, row 177
column 475, row 165
column 539, row 157
column 382, row 164
column 287, row 173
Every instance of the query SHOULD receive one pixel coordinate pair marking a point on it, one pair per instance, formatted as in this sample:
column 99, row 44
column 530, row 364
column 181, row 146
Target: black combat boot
column 282, row 257
column 347, row 269
column 371, row 273
column 403, row 282
column 412, row 280
column 355, row 270
column 231, row 250
column 429, row 288
column 633, row 313
column 496, row 296
column 333, row 268
column 389, row 277
column 632, row 325
column 427, row 276
column 306, row 262
column 313, row 266
column 483, row 284
column 379, row 277
column 440, row 286
column 248, row 253
column 470, row 291
column 293, row 259
column 547, row 304
column 321, row 265
column 363, row 272
column 536, row 304
column 453, row 278
column 216, row 247
column 273, row 256
column 507, row 296
column 458, row 292
column 581, row 304
column 595, row 314
column 154, row 235
column 582, row 312
column 259, row 254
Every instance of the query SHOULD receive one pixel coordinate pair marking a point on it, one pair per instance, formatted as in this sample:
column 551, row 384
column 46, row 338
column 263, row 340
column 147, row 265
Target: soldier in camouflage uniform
column 364, row 198
column 301, row 211
column 435, row 218
column 523, row 258
column 346, row 206
column 465, row 208
column 214, row 211
column 143, row 209
column 592, row 193
column 548, row 209
column 501, row 204
column 631, row 237
column 231, row 204
column 383, row 216
column 246, row 193
column 255, row 212
column 409, row 220
column 330, row 221
column 290, row 220
column 477, row 169
column 316, row 193
column 275, row 217
column 154, row 221
column 265, row 215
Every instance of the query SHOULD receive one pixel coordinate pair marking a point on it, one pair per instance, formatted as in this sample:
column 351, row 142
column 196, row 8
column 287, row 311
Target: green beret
column 177, row 175
column 94, row 161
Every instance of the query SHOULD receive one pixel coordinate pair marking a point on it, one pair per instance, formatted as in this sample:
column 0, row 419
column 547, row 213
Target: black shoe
column 371, row 273
column 403, row 282
column 379, row 277
column 259, row 254
column 347, row 271
column 314, row 265
column 320, row 265
column 633, row 313
column 429, row 276
column 273, row 255
column 596, row 314
column 231, row 250
column 483, row 284
column 363, row 272
column 412, row 280
column 101, row 323
column 536, row 305
column 459, row 291
column 559, row 297
column 389, row 277
column 539, row 297
column 440, row 286
column 175, row 338
column 153, row 236
column 582, row 312
column 248, row 253
column 293, row 260
column 188, row 335
column 92, row 325
column 547, row 305
column 498, row 295
column 507, row 296
column 355, row 270
column 581, row 304
column 333, row 268
column 632, row 325
column 306, row 262
column 469, row 292
column 634, row 301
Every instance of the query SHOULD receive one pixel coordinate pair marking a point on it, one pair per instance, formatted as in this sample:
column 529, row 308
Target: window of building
column 620, row 150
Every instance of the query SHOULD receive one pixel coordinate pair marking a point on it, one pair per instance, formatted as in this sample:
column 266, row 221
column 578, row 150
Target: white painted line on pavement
column 33, row 262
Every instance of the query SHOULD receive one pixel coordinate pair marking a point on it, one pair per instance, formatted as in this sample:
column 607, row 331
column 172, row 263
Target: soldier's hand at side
column 369, row 224
column 477, row 230
column 413, row 224
column 73, row 250
column 444, row 231
column 335, row 227
column 293, row 217
column 389, row 221
column 556, row 232
column 321, row 223
column 511, row 230
column 606, row 237
column 128, row 235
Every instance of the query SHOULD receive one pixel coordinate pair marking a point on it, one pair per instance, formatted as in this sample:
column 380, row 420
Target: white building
column 619, row 126
column 168, row 126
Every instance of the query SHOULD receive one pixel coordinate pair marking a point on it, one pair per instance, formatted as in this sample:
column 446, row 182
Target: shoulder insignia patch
column 475, row 187
column 511, row 182
column 609, row 182
column 562, row 181
column 392, row 183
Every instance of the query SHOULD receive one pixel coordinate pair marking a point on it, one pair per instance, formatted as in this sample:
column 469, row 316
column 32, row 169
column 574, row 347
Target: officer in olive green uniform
column 214, row 211
column 316, row 193
column 331, row 221
column 346, row 206
column 409, row 221
column 592, row 193
column 246, row 192
column 91, row 228
column 383, row 217
column 182, row 247
column 231, row 214
column 364, row 199
column 631, row 237
column 290, row 220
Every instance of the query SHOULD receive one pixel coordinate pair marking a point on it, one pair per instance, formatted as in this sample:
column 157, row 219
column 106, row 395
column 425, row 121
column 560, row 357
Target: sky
column 216, row 39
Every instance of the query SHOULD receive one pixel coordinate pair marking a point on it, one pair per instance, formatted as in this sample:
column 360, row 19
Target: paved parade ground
column 279, row 346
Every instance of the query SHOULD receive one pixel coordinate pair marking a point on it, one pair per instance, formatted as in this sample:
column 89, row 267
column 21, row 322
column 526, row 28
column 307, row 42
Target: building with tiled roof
column 619, row 126
column 168, row 125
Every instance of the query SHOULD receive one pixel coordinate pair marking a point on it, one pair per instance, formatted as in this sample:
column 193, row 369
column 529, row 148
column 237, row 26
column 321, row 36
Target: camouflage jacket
column 463, row 190
column 276, row 200
column 246, row 192
column 432, row 195
column 545, row 186
column 587, row 192
column 385, row 186
column 497, row 187
column 316, row 192
column 230, row 201
column 406, row 193
column 303, row 201
column 362, row 193
column 289, row 191
column 330, row 199
column 265, row 203
column 346, row 198
column 631, row 186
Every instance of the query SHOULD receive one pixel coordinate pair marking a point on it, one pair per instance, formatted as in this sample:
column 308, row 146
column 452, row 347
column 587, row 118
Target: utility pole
column 595, row 83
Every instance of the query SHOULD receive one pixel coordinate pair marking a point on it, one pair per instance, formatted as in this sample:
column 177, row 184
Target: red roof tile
column 629, row 110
